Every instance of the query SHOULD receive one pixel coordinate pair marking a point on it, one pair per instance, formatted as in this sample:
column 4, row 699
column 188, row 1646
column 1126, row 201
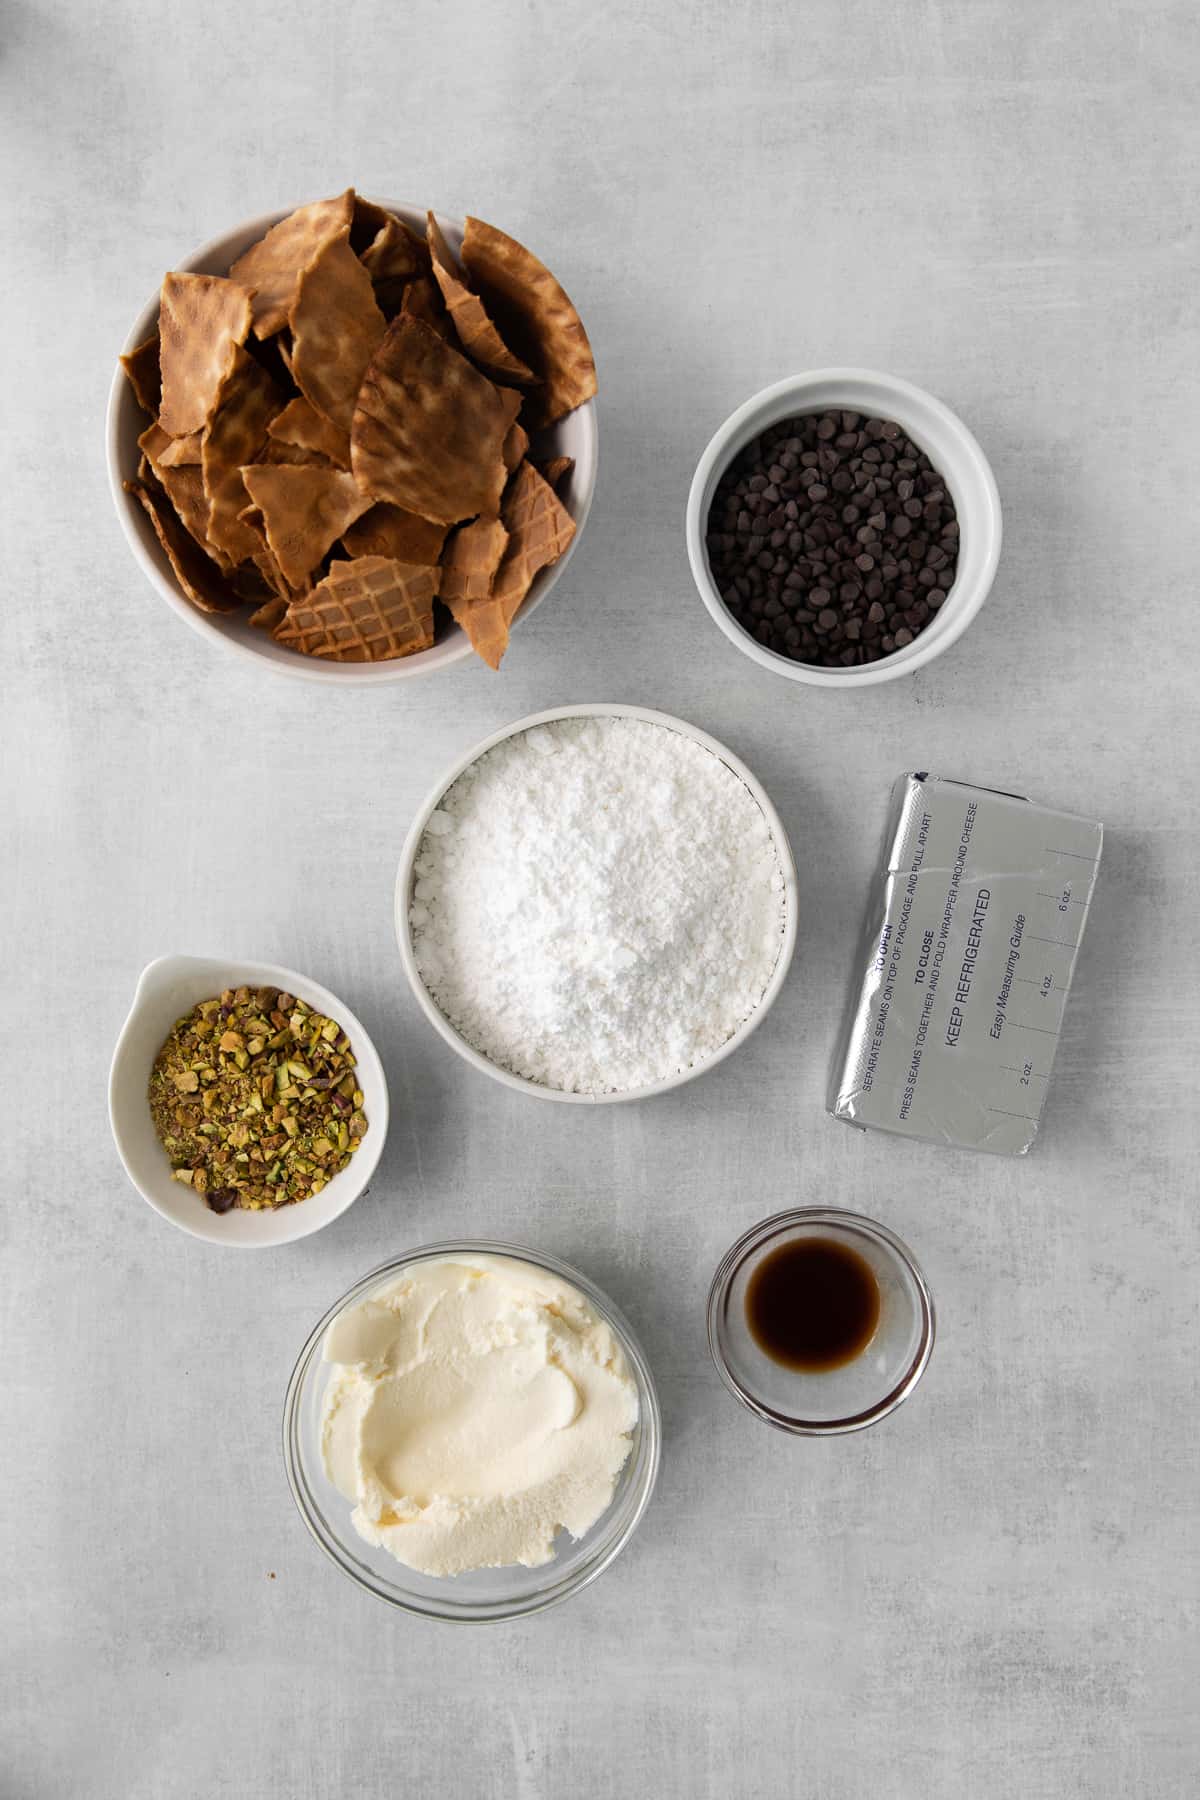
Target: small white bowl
column 166, row 990
column 404, row 883
column 576, row 436
column 949, row 446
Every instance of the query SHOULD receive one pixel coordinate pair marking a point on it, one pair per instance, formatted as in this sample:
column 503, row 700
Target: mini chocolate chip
column 821, row 506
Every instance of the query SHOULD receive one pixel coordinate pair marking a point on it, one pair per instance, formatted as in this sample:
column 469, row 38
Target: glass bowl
column 481, row 1594
column 825, row 1402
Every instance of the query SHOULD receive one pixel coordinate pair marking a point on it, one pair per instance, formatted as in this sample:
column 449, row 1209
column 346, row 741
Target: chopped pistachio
column 252, row 1097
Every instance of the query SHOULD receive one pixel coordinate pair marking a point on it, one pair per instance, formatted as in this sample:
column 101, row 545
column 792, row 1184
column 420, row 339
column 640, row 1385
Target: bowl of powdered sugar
column 597, row 903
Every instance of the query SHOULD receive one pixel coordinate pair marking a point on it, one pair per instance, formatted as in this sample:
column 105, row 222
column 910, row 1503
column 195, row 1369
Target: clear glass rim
column 775, row 1226
column 476, row 1612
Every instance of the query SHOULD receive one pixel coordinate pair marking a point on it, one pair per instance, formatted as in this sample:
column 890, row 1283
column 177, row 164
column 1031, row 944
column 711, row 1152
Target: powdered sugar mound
column 598, row 904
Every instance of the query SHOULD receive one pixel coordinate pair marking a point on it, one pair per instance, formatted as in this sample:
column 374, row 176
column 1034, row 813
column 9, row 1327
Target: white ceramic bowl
column 575, row 436
column 949, row 446
column 404, row 883
column 166, row 990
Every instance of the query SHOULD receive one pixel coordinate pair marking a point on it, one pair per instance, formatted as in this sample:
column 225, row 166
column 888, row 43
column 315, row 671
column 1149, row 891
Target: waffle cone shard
column 535, row 317
column 428, row 431
column 388, row 530
column 202, row 322
column 275, row 452
column 304, row 510
column 475, row 330
column 185, row 490
column 265, row 567
column 556, row 470
column 165, row 452
column 373, row 609
column 469, row 564
column 540, row 530
column 336, row 327
column 198, row 576
column 516, row 446
column 144, row 374
column 422, row 299
column 391, row 252
column 274, row 265
column 301, row 425
column 236, row 434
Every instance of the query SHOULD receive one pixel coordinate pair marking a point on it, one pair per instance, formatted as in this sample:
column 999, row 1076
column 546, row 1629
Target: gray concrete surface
column 994, row 1593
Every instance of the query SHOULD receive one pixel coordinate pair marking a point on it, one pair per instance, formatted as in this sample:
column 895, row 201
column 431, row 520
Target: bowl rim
column 416, row 831
column 754, row 1239
column 456, row 648
column 365, row 1161
column 959, row 609
column 649, row 1425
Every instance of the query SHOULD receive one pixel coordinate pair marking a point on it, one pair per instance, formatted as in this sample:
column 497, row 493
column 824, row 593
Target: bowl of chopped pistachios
column 247, row 1103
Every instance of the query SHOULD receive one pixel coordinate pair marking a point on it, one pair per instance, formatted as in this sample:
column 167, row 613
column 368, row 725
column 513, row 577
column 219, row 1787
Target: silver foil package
column 967, row 956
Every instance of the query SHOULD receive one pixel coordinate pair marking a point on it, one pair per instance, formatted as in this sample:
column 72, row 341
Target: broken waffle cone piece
column 184, row 488
column 428, row 431
column 556, row 471
column 304, row 511
column 472, row 557
column 336, row 327
column 202, row 322
column 516, row 444
column 144, row 374
column 373, row 609
column 249, row 585
column 535, row 317
column 391, row 251
column 198, row 576
column 475, row 330
column 302, row 425
column 235, row 436
column 277, row 453
column 469, row 563
column 265, row 567
column 539, row 529
column 271, row 613
column 388, row 530
column 166, row 452
column 183, row 485
column 182, row 452
column 422, row 300
column 486, row 628
column 274, row 265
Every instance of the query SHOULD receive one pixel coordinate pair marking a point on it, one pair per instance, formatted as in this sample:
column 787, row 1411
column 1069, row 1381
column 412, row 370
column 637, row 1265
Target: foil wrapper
column 966, row 961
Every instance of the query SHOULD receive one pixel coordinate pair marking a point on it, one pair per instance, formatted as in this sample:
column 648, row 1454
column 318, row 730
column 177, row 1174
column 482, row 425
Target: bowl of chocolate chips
column 843, row 527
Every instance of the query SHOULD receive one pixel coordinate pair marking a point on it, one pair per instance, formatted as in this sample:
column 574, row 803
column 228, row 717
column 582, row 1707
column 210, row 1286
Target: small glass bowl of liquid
column 820, row 1321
